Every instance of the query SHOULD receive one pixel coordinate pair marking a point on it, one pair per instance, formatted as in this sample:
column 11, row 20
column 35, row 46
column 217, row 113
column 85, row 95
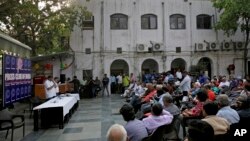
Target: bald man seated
column 117, row 133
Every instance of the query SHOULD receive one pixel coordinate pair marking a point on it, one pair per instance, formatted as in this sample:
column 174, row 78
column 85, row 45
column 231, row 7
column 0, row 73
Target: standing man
column 178, row 74
column 185, row 85
column 50, row 87
column 113, row 83
column 119, row 82
column 76, row 83
column 105, row 83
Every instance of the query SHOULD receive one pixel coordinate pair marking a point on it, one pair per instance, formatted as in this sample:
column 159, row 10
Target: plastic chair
column 11, row 121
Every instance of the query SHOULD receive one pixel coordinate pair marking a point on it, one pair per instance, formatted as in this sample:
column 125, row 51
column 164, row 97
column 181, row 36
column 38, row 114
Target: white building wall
column 102, row 38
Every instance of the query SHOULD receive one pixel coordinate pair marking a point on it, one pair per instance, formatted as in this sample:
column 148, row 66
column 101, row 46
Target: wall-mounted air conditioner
column 214, row 46
column 239, row 45
column 228, row 46
column 158, row 47
column 141, row 48
column 201, row 46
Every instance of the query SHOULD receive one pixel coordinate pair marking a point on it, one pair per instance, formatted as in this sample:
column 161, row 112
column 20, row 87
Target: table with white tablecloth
column 55, row 111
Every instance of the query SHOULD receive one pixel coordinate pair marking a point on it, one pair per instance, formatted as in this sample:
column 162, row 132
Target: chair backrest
column 222, row 137
column 157, row 135
column 172, row 130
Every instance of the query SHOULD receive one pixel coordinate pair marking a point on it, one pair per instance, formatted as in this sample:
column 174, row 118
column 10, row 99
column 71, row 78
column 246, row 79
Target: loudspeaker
column 62, row 78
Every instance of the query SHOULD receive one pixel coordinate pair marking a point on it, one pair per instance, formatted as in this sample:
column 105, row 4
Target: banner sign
column 17, row 79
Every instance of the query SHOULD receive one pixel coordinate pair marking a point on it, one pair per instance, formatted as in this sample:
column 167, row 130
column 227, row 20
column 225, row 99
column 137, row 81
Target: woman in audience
column 158, row 118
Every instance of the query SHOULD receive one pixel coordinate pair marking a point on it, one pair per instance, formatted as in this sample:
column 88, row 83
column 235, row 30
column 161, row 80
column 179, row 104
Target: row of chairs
column 10, row 121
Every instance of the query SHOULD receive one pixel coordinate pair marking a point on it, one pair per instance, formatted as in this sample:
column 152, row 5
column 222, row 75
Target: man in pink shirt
column 158, row 118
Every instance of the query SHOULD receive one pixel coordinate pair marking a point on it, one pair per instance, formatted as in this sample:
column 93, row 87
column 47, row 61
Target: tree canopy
column 234, row 15
column 44, row 25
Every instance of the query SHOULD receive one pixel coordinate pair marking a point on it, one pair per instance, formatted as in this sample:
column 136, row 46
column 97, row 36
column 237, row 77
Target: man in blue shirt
column 135, row 128
column 226, row 111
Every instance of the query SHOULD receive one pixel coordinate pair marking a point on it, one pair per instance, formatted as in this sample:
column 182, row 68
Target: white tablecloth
column 67, row 102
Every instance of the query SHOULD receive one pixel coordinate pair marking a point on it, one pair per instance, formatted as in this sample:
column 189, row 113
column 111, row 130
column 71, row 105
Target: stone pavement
column 89, row 123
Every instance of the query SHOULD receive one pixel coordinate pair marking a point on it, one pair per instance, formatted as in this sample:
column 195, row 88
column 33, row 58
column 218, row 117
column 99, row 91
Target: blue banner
column 17, row 79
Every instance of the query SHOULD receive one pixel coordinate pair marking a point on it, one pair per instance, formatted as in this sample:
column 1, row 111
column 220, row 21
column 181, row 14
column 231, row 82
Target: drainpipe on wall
column 191, row 35
column 102, row 39
column 217, row 39
column 135, row 67
column 164, row 37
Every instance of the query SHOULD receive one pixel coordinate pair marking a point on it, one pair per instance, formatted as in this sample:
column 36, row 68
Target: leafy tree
column 235, row 14
column 44, row 25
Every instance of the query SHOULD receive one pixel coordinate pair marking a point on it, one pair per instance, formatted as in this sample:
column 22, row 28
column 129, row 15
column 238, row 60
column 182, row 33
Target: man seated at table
column 50, row 87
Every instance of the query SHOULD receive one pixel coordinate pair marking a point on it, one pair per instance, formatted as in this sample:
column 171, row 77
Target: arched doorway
column 150, row 66
column 119, row 66
column 205, row 65
column 178, row 63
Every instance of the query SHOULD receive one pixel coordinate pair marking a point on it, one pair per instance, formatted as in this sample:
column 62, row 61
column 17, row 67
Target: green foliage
column 44, row 25
column 234, row 14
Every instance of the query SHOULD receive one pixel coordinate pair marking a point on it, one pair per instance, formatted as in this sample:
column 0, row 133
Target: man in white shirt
column 178, row 74
column 119, row 82
column 185, row 85
column 50, row 87
column 224, row 82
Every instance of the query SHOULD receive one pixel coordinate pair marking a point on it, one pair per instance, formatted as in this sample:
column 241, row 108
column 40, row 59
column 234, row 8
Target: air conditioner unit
column 201, row 46
column 158, row 47
column 214, row 46
column 228, row 46
column 239, row 46
column 141, row 48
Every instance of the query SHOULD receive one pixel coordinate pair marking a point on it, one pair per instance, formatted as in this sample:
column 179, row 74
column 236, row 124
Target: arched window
column 148, row 21
column 177, row 21
column 203, row 21
column 119, row 21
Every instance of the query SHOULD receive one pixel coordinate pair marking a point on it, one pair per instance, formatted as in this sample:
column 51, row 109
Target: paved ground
column 89, row 123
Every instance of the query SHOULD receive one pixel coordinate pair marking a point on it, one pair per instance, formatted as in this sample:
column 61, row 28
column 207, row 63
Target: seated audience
column 210, row 93
column 135, row 128
column 224, row 82
column 226, row 111
column 158, row 118
column 117, row 133
column 195, row 89
column 243, row 105
column 219, row 124
column 136, row 101
column 201, row 97
column 199, row 130
column 214, row 87
column 169, row 106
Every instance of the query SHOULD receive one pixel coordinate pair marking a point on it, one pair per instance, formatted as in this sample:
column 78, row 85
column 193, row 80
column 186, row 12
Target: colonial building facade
column 136, row 36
